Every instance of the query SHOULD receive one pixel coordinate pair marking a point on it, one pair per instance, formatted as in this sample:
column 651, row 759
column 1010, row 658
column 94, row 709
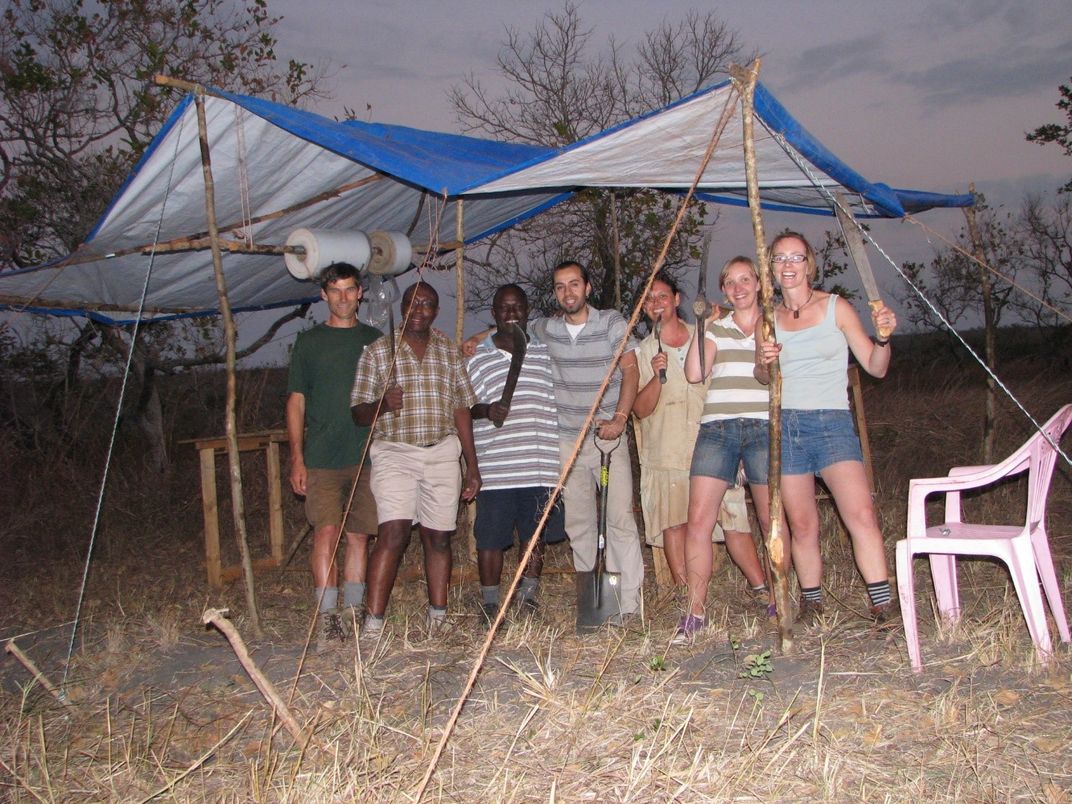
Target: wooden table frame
column 207, row 449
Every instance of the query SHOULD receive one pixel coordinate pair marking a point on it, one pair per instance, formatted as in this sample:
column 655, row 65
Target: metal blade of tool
column 518, row 345
column 854, row 242
column 659, row 341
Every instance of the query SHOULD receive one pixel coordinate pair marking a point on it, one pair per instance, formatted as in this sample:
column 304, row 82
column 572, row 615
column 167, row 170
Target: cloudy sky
column 922, row 94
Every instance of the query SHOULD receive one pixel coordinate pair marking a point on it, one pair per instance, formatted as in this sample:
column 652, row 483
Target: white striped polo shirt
column 524, row 451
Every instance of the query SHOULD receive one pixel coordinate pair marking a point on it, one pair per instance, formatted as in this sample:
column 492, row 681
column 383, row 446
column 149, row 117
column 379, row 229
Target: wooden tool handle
column 882, row 332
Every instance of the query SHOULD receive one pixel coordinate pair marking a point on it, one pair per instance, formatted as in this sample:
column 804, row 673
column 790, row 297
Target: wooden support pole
column 990, row 430
column 39, row 677
column 459, row 270
column 230, row 419
column 745, row 80
column 217, row 618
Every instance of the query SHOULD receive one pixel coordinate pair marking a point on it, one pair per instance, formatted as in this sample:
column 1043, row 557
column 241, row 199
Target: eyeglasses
column 777, row 258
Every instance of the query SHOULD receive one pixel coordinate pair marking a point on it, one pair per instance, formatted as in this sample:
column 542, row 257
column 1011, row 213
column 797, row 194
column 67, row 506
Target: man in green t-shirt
column 326, row 447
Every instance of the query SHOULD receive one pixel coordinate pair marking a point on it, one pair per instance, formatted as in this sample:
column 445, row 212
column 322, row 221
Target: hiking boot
column 371, row 628
column 688, row 629
column 329, row 633
column 489, row 611
column 884, row 616
column 759, row 602
column 809, row 612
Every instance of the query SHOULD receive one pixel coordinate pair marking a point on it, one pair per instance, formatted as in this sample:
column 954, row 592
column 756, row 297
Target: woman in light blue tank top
column 815, row 331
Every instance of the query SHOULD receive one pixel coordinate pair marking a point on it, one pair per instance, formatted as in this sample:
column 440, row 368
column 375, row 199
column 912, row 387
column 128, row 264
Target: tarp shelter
column 277, row 169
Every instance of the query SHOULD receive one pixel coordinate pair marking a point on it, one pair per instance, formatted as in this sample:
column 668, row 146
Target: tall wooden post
column 230, row 423
column 990, row 333
column 459, row 270
column 745, row 80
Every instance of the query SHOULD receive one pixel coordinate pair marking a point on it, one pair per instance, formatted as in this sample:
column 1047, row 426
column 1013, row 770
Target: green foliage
column 657, row 664
column 1058, row 133
column 757, row 665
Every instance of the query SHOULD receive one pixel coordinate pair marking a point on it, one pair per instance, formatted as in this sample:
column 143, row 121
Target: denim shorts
column 499, row 511
column 724, row 443
column 814, row 439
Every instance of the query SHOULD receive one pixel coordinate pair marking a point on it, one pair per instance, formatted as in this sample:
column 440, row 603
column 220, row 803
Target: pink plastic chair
column 1024, row 549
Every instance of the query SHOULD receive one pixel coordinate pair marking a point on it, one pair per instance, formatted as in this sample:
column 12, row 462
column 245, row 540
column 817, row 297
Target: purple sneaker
column 687, row 630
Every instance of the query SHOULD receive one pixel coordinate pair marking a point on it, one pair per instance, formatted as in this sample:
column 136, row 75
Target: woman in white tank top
column 815, row 331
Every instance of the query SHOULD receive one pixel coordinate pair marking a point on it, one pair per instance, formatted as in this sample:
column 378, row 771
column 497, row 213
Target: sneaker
column 528, row 605
column 809, row 612
column 329, row 633
column 687, row 630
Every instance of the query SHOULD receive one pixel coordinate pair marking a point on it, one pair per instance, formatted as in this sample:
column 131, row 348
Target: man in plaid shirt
column 417, row 402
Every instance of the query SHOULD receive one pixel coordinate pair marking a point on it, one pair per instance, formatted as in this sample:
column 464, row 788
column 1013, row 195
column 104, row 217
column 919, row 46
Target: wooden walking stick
column 745, row 81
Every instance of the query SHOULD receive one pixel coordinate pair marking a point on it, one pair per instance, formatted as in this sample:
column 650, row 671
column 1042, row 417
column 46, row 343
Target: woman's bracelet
column 618, row 413
column 882, row 341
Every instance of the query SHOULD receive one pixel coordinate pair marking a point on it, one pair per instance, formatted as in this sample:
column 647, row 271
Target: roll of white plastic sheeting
column 392, row 253
column 324, row 247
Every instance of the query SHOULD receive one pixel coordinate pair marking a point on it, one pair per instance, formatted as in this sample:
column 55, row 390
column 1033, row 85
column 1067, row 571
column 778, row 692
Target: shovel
column 599, row 592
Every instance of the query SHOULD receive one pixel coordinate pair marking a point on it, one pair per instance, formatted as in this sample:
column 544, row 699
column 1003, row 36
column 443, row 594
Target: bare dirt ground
column 162, row 708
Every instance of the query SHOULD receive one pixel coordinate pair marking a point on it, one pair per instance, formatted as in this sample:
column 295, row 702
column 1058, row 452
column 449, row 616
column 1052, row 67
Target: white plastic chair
column 1024, row 549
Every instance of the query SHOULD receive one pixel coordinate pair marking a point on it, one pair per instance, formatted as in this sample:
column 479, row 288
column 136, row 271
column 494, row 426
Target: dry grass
column 162, row 708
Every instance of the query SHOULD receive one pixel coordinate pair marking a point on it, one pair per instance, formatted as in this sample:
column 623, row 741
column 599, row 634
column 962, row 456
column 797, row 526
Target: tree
column 78, row 108
column 561, row 90
column 1058, row 133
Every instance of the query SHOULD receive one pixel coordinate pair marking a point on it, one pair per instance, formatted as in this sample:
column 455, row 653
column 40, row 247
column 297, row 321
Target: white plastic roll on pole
column 324, row 247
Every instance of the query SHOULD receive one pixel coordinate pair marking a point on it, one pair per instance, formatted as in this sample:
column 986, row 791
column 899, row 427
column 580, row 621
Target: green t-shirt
column 322, row 368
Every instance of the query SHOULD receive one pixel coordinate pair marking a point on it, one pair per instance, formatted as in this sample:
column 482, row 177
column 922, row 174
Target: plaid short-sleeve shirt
column 432, row 388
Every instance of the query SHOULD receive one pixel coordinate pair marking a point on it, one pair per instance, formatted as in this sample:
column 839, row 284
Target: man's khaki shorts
column 421, row 484
column 326, row 493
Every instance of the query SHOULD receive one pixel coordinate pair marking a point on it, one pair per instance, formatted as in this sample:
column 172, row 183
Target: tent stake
column 231, row 428
column 27, row 662
column 217, row 618
column 745, row 80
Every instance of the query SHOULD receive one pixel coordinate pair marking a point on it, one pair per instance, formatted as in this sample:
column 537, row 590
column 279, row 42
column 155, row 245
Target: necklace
column 796, row 312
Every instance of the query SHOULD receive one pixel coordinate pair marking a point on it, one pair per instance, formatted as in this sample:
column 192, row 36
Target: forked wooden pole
column 745, row 81
column 27, row 662
column 238, row 507
column 459, row 270
column 217, row 618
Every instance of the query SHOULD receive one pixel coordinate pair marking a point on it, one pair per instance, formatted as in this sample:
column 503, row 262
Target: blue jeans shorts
column 814, row 439
column 499, row 511
column 723, row 444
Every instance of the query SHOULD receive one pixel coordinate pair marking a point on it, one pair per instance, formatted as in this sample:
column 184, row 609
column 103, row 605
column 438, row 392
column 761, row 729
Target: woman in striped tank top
column 733, row 429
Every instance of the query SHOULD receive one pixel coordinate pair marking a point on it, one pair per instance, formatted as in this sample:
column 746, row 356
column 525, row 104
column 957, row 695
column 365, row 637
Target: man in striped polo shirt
column 582, row 342
column 517, row 448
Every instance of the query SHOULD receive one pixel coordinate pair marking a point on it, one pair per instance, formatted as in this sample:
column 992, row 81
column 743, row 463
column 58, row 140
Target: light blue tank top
column 814, row 365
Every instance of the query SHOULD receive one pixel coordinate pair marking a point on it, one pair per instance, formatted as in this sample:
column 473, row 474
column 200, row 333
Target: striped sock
column 760, row 589
column 879, row 592
column 813, row 594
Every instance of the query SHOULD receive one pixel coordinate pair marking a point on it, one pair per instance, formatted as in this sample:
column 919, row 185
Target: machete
column 700, row 308
column 517, row 356
column 854, row 242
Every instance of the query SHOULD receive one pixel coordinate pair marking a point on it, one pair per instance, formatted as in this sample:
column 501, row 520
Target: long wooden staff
column 745, row 81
